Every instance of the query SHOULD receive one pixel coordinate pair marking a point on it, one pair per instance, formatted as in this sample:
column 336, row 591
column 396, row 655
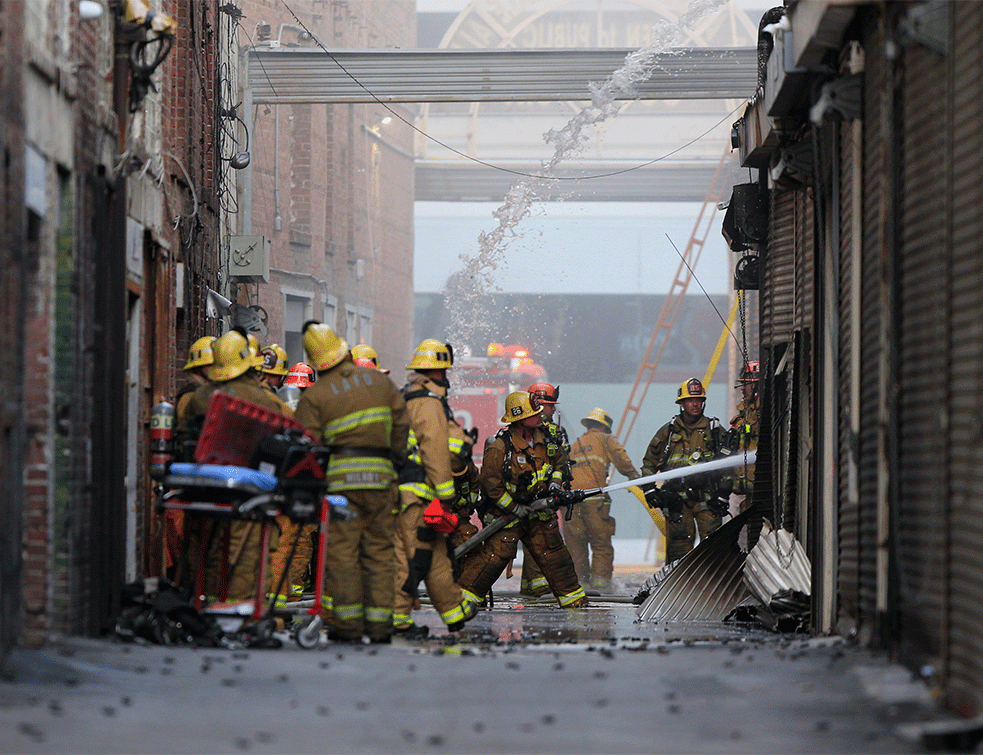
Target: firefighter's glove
column 730, row 442
column 521, row 511
column 672, row 503
column 653, row 498
column 540, row 504
column 524, row 480
column 719, row 505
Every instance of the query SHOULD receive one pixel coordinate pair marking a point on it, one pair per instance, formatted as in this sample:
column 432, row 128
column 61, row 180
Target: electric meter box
column 249, row 257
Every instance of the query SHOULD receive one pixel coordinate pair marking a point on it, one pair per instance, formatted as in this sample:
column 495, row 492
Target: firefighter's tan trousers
column 442, row 590
column 292, row 573
column 233, row 557
column 359, row 567
column 681, row 528
column 591, row 525
column 541, row 539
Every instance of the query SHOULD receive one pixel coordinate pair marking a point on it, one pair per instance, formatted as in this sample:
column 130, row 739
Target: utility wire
column 479, row 161
column 691, row 271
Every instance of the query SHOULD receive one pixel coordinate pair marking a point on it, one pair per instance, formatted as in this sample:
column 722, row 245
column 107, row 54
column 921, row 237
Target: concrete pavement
column 523, row 677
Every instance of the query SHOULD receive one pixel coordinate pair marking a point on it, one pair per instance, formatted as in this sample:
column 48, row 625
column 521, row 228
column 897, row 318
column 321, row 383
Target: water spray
column 467, row 288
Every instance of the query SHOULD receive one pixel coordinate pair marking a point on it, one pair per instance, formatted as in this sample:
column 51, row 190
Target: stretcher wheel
column 309, row 633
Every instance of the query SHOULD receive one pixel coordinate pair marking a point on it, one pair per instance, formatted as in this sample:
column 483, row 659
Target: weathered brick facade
column 332, row 188
column 104, row 200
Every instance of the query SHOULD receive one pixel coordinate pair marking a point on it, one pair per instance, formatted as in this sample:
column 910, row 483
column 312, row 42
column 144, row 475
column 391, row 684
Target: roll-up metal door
column 870, row 324
column 848, row 514
column 805, row 255
column 922, row 350
column 778, row 296
column 965, row 672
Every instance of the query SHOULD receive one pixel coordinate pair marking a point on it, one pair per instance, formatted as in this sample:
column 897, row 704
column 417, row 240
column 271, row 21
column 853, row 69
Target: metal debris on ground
column 705, row 584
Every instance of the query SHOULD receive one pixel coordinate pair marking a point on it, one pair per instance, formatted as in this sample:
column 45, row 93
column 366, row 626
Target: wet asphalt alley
column 522, row 677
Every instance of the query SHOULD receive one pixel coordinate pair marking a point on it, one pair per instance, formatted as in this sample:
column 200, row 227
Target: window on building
column 296, row 311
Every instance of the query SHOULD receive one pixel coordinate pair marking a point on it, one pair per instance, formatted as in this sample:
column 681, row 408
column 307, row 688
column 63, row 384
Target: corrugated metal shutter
column 966, row 363
column 805, row 255
column 870, row 319
column 921, row 547
column 763, row 492
column 848, row 519
column 778, row 296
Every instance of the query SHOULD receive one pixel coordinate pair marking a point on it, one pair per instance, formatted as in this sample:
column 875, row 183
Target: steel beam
column 468, row 182
column 312, row 75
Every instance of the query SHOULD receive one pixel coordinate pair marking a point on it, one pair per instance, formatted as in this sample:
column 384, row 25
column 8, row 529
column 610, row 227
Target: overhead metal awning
column 464, row 181
column 312, row 75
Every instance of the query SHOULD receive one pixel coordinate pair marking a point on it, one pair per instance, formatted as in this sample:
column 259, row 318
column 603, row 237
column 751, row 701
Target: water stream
column 468, row 289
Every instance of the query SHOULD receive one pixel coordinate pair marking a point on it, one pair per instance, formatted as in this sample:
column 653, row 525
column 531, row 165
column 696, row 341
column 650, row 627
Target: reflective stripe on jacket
column 499, row 475
column 360, row 409
column 591, row 455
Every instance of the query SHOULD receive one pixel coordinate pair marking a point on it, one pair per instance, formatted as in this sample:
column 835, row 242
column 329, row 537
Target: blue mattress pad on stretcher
column 226, row 473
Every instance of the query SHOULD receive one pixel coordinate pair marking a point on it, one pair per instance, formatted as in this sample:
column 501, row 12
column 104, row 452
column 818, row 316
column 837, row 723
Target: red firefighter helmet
column 301, row 375
column 750, row 374
column 543, row 393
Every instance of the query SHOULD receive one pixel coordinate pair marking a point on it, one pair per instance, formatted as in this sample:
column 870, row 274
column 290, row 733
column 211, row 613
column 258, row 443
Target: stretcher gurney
column 216, row 491
column 253, row 464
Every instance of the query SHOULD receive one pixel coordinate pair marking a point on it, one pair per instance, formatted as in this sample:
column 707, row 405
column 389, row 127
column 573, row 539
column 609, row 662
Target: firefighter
column 362, row 417
column 744, row 426
column 546, row 396
column 364, row 351
column 289, row 578
column 592, row 524
column 199, row 357
column 237, row 542
column 517, row 472
column 300, row 377
column 274, row 367
column 688, row 503
column 437, row 445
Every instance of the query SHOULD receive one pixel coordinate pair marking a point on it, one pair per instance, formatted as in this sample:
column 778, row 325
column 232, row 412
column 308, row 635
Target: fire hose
column 726, row 462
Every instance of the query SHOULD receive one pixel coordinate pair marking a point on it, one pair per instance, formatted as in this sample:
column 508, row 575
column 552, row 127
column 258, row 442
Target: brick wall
column 15, row 263
column 338, row 203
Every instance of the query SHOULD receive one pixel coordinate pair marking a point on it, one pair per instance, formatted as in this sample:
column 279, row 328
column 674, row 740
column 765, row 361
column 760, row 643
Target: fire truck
column 480, row 385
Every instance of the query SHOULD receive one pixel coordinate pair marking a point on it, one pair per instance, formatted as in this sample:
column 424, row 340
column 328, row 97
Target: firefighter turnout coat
column 361, row 416
column 515, row 471
column 436, row 444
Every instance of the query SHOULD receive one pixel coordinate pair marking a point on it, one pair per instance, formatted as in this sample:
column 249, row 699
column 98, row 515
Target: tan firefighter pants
column 424, row 550
column 359, row 567
column 541, row 539
column 681, row 528
column 232, row 559
column 293, row 573
column 591, row 525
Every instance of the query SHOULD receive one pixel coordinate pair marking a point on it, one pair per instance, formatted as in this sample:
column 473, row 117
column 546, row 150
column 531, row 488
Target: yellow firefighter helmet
column 323, row 346
column 233, row 356
column 431, row 354
column 274, row 360
column 200, row 353
column 518, row 407
column 691, row 388
column 364, row 351
column 599, row 416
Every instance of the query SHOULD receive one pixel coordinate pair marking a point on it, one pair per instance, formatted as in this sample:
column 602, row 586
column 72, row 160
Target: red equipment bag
column 233, row 429
column 439, row 519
